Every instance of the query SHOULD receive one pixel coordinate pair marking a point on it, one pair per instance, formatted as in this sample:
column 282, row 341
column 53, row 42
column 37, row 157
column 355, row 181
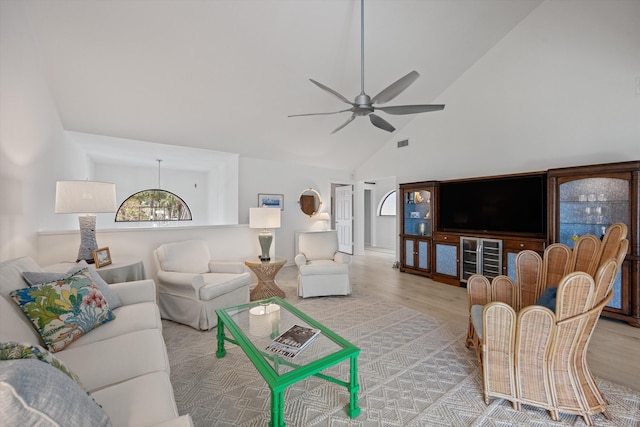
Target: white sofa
column 122, row 363
column 191, row 286
column 322, row 270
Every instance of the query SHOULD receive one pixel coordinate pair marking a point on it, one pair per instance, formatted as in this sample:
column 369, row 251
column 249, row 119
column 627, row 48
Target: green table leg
column 221, row 351
column 354, row 409
column 277, row 408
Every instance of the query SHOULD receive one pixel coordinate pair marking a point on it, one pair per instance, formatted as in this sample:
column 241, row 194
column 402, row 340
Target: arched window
column 388, row 204
column 153, row 205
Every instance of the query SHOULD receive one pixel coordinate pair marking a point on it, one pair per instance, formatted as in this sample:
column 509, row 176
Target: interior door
column 344, row 218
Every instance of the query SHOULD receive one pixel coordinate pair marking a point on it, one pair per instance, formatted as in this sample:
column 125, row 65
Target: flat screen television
column 512, row 204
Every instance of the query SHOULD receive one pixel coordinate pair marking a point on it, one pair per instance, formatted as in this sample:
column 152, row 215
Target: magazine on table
column 291, row 343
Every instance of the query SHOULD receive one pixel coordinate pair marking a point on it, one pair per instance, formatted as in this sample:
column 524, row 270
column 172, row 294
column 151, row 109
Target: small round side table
column 266, row 272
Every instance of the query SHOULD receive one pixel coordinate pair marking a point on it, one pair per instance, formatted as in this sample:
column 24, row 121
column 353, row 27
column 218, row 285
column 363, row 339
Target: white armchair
column 322, row 270
column 191, row 286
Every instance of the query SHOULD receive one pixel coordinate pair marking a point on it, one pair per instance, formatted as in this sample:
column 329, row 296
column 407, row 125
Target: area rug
column 414, row 370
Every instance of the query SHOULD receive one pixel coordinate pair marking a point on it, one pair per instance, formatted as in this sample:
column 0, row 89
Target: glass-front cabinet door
column 590, row 205
column 417, row 212
column 416, row 228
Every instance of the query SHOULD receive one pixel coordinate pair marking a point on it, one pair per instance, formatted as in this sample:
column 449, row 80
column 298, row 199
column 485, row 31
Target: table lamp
column 325, row 217
column 264, row 218
column 86, row 197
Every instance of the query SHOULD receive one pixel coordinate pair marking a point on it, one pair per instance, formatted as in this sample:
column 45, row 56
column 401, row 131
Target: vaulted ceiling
column 225, row 74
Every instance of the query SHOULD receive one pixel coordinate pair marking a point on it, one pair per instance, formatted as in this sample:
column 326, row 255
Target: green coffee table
column 253, row 326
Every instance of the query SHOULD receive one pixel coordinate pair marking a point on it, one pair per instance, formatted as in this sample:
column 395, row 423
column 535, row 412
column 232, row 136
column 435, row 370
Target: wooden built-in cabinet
column 588, row 199
column 580, row 200
column 417, row 213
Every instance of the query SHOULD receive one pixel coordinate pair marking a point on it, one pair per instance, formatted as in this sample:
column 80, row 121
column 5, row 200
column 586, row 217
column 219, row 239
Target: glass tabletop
column 255, row 325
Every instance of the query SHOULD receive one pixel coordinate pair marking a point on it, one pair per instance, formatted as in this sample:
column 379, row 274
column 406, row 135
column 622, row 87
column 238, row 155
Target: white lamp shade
column 85, row 197
column 264, row 217
column 323, row 216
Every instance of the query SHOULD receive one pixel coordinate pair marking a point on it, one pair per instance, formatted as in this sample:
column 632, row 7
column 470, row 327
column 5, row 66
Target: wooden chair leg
column 470, row 333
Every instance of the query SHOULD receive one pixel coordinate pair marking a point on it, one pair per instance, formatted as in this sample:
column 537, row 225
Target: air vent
column 403, row 143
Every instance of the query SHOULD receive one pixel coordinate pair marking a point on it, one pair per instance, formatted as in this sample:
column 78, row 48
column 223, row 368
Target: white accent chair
column 322, row 270
column 191, row 286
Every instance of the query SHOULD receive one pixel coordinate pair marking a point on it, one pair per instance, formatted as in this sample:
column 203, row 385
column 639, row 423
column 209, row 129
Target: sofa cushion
column 36, row 393
column 323, row 267
column 117, row 359
column 14, row 325
column 476, row 318
column 11, row 273
column 127, row 403
column 34, row 278
column 217, row 284
column 191, row 256
column 13, row 350
column 129, row 318
column 65, row 310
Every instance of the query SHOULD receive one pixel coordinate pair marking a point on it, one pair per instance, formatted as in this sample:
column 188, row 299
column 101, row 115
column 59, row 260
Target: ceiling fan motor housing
column 362, row 105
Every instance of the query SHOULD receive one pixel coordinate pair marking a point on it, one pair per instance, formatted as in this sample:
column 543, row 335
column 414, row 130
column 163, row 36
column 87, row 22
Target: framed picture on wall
column 271, row 201
column 102, row 257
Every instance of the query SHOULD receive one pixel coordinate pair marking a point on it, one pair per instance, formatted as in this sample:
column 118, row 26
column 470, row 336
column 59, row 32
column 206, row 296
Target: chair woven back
column 576, row 294
column 555, row 264
column 499, row 320
column 536, row 327
column 479, row 290
column 528, row 278
column 611, row 241
column 586, row 254
column 604, row 279
column 503, row 289
column 575, row 298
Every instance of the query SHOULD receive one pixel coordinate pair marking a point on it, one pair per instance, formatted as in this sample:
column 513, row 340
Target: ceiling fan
column 363, row 103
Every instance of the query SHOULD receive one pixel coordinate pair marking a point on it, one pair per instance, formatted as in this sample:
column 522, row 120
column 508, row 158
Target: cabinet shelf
column 593, row 202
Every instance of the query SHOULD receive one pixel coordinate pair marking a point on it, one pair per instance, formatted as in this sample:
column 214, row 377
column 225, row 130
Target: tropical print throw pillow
column 64, row 310
column 14, row 350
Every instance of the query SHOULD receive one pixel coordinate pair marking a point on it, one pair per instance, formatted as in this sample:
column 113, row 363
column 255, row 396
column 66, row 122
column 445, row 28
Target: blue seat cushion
column 548, row 298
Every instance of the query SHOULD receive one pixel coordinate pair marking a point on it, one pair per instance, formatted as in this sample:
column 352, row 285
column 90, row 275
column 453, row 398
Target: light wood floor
column 614, row 351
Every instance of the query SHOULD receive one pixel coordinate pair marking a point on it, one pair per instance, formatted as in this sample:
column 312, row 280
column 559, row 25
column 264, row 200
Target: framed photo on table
column 271, row 201
column 102, row 257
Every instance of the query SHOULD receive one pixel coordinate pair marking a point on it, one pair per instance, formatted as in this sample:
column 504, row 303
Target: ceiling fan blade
column 331, row 91
column 410, row 109
column 319, row 114
column 394, row 89
column 344, row 124
column 381, row 123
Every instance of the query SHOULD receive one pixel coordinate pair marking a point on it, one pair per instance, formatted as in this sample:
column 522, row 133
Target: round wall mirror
column 310, row 202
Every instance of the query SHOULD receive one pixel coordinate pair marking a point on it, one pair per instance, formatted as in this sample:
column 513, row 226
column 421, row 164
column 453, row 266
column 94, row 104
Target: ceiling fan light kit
column 363, row 103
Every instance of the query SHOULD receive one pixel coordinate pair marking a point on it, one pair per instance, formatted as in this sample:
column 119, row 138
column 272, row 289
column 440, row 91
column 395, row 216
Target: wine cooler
column 480, row 256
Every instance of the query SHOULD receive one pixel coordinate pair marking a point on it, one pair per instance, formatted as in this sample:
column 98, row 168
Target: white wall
column 559, row 90
column 33, row 150
column 264, row 176
column 385, row 234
